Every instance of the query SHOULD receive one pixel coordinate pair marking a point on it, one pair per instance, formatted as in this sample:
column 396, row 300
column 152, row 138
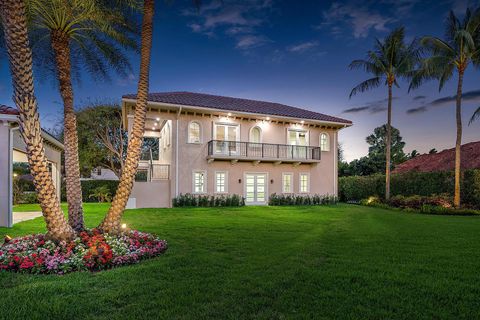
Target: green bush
column 28, row 197
column 355, row 188
column 301, row 200
column 191, row 200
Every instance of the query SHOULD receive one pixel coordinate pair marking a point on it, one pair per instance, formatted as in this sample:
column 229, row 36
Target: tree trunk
column 388, row 144
column 458, row 143
column 61, row 48
column 20, row 58
column 111, row 223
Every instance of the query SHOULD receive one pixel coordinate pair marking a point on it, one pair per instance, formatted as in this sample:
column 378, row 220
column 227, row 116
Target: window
column 194, row 132
column 256, row 135
column 150, row 149
column 324, row 141
column 304, row 182
column 221, row 182
column 297, row 137
column 226, row 136
column 287, row 183
column 199, row 181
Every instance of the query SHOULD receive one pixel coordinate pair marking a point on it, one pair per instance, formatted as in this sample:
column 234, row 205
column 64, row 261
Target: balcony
column 148, row 172
column 261, row 152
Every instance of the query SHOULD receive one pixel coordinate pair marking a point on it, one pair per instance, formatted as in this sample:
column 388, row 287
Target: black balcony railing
column 261, row 151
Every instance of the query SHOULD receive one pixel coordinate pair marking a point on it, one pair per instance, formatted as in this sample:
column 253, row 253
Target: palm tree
column 456, row 52
column 111, row 222
column 20, row 58
column 89, row 33
column 387, row 62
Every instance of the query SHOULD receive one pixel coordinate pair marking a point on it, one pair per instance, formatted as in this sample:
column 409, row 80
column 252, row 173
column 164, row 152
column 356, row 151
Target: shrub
column 355, row 188
column 301, row 200
column 28, row 197
column 191, row 200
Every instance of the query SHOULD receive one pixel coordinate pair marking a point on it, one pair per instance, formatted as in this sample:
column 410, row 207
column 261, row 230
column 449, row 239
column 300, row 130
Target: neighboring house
column 13, row 150
column 100, row 173
column 211, row 145
column 443, row 161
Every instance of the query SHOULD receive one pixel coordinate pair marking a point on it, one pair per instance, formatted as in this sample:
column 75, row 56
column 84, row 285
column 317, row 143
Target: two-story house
column 207, row 144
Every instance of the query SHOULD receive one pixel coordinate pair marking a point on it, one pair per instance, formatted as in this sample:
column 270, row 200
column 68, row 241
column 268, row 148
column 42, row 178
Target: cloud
column 420, row 109
column 303, row 47
column 372, row 107
column 250, row 41
column 360, row 19
column 416, row 98
column 236, row 19
column 469, row 96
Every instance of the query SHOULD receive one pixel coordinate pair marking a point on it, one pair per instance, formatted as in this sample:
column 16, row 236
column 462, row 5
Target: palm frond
column 475, row 116
column 366, row 85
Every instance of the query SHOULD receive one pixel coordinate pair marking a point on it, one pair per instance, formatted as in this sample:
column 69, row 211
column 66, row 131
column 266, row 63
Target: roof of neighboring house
column 443, row 161
column 237, row 105
column 8, row 110
column 45, row 135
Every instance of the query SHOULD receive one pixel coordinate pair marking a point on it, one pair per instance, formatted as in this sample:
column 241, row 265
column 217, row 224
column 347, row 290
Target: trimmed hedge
column 301, row 200
column 191, row 200
column 89, row 186
column 356, row 188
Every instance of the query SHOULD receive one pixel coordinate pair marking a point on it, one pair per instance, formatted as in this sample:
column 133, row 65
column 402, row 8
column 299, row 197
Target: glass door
column 299, row 142
column 255, row 188
column 227, row 136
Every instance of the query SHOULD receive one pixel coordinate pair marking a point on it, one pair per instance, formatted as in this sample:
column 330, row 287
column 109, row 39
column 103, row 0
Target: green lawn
column 343, row 262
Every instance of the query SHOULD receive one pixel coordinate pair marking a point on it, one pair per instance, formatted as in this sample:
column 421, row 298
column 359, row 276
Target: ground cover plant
column 342, row 261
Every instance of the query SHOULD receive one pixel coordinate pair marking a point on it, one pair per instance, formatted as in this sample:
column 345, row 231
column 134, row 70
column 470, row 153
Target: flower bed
column 91, row 250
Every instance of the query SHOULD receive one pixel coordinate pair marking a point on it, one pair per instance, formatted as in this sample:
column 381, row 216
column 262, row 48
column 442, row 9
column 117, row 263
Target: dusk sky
column 291, row 52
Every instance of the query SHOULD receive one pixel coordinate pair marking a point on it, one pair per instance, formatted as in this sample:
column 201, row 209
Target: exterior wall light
column 239, row 180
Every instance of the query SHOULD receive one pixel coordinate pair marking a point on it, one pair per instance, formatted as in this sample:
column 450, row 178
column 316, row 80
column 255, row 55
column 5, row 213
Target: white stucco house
column 13, row 150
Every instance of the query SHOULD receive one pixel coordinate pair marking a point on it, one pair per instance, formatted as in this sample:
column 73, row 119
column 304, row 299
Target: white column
column 5, row 175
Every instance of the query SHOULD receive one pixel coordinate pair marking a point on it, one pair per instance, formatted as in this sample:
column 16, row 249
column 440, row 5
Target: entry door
column 255, row 188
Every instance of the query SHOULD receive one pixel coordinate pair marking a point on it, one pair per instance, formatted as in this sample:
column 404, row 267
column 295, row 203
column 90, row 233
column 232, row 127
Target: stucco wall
column 5, row 175
column 194, row 157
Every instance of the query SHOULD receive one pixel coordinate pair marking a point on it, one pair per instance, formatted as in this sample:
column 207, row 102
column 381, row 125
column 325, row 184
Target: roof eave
column 174, row 105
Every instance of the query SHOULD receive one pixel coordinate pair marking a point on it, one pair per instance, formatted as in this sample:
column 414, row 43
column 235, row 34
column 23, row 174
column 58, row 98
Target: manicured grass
column 343, row 262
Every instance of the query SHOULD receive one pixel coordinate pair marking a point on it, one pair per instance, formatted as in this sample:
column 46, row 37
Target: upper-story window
column 297, row 137
column 194, row 132
column 324, row 141
column 256, row 135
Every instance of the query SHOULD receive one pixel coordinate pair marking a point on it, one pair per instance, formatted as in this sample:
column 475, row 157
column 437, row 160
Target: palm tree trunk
column 20, row 58
column 111, row 223
column 388, row 144
column 458, row 143
column 60, row 44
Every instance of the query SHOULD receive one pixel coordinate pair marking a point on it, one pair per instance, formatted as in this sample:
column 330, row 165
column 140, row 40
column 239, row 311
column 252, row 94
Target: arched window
column 194, row 132
column 256, row 135
column 324, row 141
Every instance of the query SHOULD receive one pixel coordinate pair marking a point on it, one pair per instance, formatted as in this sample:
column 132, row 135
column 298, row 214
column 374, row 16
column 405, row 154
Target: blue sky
column 292, row 52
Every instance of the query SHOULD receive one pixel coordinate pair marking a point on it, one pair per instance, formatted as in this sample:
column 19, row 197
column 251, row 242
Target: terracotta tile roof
column 8, row 110
column 237, row 105
column 443, row 161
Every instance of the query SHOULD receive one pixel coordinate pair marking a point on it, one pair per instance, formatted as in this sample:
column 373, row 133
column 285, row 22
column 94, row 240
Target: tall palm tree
column 20, row 58
column 91, row 34
column 111, row 222
column 448, row 56
column 390, row 60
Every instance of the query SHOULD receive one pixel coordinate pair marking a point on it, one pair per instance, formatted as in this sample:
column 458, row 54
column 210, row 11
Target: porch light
column 239, row 180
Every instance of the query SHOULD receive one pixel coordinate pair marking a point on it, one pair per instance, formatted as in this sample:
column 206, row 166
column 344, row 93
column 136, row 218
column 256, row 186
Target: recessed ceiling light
column 155, row 124
column 229, row 114
column 302, row 122
column 153, row 128
column 158, row 119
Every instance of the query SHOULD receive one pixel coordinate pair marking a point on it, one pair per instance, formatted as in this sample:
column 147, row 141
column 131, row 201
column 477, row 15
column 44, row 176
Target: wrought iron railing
column 251, row 150
column 148, row 171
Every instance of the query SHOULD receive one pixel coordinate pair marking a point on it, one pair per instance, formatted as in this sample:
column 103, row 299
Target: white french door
column 228, row 133
column 298, row 139
column 255, row 188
